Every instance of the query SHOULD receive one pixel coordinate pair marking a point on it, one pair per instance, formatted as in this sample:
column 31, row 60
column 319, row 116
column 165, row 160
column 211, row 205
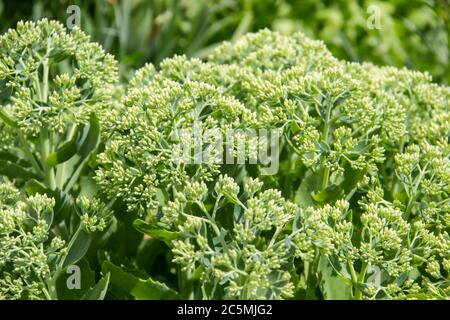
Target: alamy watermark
column 374, row 19
column 73, row 282
column 197, row 145
column 73, row 17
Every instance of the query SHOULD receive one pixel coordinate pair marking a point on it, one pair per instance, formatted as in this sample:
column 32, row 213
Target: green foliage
column 406, row 33
column 358, row 209
column 412, row 33
column 54, row 87
column 138, row 288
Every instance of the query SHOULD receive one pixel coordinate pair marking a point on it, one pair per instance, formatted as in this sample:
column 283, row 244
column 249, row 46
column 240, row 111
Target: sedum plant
column 161, row 116
column 362, row 188
column 55, row 85
column 148, row 199
column 28, row 252
column 55, row 89
column 34, row 256
column 240, row 247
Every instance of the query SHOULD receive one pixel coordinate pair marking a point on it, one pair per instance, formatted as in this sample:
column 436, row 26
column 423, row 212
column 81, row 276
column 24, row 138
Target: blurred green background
column 411, row 33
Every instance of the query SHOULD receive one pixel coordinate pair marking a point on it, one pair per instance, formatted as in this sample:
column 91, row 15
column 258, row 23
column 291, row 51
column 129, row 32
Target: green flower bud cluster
column 94, row 214
column 52, row 78
column 159, row 117
column 243, row 243
column 381, row 249
column 364, row 156
column 28, row 249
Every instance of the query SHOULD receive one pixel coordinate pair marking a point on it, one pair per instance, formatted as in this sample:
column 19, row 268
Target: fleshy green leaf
column 88, row 141
column 303, row 194
column 155, row 231
column 330, row 194
column 65, row 280
column 15, row 171
column 98, row 292
column 140, row 289
column 78, row 246
column 7, row 119
column 84, row 141
column 332, row 286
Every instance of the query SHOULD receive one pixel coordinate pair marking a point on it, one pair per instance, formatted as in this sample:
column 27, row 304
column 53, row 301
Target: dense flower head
column 94, row 214
column 365, row 153
column 153, row 146
column 240, row 243
column 53, row 78
column 28, row 249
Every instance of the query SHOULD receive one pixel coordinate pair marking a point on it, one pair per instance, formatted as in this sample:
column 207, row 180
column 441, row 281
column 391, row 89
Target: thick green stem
column 326, row 127
column 362, row 274
column 361, row 278
column 45, row 151
column 356, row 291
column 311, row 280
column 326, row 173
column 325, row 133
column 45, row 80
column 415, row 193
column 214, row 226
column 47, row 294
column 184, row 284
column 61, row 169
column 46, row 137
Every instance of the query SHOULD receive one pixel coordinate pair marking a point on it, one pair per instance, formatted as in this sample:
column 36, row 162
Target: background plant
column 411, row 33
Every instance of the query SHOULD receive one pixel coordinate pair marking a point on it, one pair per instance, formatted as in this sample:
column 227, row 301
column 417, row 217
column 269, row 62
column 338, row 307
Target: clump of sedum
column 244, row 244
column 53, row 78
column 359, row 207
column 28, row 252
column 34, row 256
column 159, row 117
column 54, row 87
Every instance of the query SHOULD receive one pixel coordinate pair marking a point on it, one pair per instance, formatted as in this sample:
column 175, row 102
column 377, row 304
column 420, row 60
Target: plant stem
column 326, row 173
column 45, row 136
column 47, row 295
column 61, row 169
column 415, row 194
column 326, row 129
column 214, row 226
column 45, row 151
column 45, row 80
column 184, row 285
column 356, row 290
column 362, row 274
